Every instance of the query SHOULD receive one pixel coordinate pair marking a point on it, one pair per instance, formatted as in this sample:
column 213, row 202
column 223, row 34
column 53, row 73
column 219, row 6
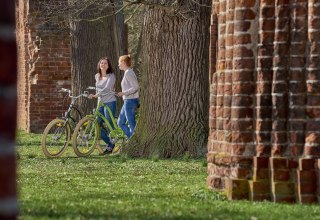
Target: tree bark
column 173, row 118
column 92, row 39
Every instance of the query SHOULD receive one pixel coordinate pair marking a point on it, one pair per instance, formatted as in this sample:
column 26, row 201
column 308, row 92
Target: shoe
column 109, row 149
column 106, row 151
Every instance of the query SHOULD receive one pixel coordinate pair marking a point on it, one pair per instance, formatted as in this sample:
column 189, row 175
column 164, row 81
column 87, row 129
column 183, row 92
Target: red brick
column 280, row 174
column 260, row 174
column 259, row 187
column 306, row 188
column 260, row 162
column 306, row 164
column 278, row 163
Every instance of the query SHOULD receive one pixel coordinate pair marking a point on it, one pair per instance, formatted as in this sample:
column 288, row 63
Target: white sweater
column 130, row 85
column 104, row 86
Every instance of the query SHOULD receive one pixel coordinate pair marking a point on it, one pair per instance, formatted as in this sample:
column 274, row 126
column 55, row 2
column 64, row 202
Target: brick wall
column 264, row 140
column 44, row 67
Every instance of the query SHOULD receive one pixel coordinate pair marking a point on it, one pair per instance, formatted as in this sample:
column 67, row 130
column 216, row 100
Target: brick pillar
column 216, row 142
column 297, row 86
column 8, row 103
column 242, row 97
column 312, row 139
column 265, row 139
column 306, row 181
column 280, row 74
column 263, row 111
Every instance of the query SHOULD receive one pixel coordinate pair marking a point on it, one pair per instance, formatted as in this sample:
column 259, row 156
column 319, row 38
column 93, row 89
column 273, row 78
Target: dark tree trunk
column 173, row 119
column 91, row 39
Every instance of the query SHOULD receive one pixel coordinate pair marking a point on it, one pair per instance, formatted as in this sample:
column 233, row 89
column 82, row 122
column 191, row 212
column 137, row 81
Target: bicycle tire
column 55, row 138
column 85, row 136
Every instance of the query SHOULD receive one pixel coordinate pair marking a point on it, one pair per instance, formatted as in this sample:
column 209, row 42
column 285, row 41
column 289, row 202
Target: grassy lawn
column 104, row 187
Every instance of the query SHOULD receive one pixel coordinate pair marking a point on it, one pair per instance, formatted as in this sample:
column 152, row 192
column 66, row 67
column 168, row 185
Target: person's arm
column 131, row 77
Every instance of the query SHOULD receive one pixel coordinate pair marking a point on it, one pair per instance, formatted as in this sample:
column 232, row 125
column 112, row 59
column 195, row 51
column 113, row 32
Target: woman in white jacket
column 130, row 95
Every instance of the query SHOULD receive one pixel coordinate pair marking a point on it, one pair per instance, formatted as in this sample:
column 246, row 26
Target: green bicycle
column 86, row 135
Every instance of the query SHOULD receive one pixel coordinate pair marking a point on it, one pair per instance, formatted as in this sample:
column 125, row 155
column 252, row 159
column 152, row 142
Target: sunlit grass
column 104, row 187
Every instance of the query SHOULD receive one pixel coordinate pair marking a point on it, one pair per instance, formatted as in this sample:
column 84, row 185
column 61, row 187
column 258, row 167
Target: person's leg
column 122, row 121
column 130, row 111
column 103, row 135
column 112, row 106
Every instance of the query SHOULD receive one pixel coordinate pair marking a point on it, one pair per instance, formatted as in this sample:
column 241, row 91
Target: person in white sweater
column 105, row 81
column 130, row 95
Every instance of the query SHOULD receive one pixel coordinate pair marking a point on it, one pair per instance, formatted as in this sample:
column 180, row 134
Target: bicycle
column 57, row 134
column 87, row 132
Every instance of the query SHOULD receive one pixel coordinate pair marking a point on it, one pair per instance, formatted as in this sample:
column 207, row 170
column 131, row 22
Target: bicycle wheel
column 85, row 136
column 55, row 138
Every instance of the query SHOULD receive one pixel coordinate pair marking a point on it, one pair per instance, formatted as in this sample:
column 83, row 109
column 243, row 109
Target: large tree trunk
column 173, row 119
column 8, row 100
column 91, row 39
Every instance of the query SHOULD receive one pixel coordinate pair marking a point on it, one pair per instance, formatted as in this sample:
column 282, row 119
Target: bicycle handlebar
column 84, row 94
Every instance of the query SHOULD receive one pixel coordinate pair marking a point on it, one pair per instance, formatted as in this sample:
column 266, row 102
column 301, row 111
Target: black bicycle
column 57, row 134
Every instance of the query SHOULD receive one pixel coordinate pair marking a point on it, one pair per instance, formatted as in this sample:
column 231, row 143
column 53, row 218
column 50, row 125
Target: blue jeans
column 104, row 111
column 128, row 114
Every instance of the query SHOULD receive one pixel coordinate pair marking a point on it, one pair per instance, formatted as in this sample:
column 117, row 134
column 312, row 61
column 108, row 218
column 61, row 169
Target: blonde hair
column 126, row 59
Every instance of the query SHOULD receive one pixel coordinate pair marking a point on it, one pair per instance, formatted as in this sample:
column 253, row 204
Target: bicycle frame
column 115, row 131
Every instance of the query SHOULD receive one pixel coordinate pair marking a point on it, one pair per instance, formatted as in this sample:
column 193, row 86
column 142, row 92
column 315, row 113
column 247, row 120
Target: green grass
column 102, row 187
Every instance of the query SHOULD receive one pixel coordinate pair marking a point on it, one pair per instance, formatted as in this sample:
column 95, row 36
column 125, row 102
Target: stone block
column 260, row 174
column 282, row 188
column 237, row 189
column 259, row 187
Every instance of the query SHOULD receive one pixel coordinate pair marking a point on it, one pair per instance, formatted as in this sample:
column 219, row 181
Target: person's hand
column 120, row 94
column 91, row 96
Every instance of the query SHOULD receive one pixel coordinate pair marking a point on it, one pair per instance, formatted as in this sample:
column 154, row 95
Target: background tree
column 94, row 35
column 96, row 29
column 173, row 119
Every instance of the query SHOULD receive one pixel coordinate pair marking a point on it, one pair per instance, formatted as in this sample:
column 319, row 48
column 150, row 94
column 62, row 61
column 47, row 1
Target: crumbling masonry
column 43, row 68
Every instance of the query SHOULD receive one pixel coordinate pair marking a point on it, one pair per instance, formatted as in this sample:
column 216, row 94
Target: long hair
column 109, row 70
